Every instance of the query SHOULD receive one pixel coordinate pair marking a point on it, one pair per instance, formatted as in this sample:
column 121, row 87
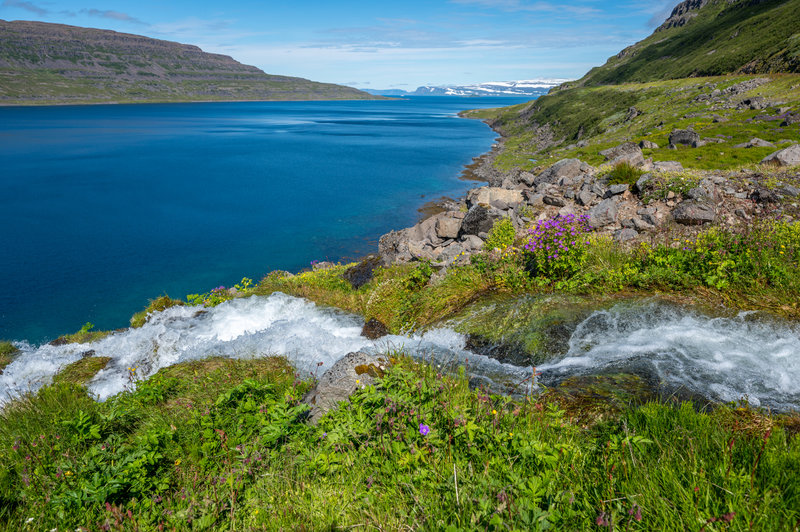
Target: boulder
column 350, row 373
column 789, row 190
column 693, row 212
column 585, row 196
column 641, row 183
column 686, row 137
column 764, row 195
column 448, row 226
column 626, row 152
column 393, row 247
column 786, row 157
column 648, row 145
column 479, row 219
column 374, row 329
column 564, row 168
column 604, row 213
column 472, row 243
column 491, row 195
column 361, row 273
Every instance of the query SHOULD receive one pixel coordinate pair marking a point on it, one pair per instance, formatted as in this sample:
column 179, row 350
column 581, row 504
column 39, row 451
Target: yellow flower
column 255, row 512
column 178, row 462
column 358, row 381
column 67, row 473
column 494, row 412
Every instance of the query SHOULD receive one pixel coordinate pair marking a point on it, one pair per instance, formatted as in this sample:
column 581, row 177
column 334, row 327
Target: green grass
column 597, row 115
column 7, row 351
column 223, row 445
column 81, row 371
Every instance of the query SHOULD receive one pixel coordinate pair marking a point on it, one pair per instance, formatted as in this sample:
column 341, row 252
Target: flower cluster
column 556, row 245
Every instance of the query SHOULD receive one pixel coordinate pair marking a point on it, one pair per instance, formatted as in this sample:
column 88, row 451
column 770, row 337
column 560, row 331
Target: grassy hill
column 53, row 63
column 710, row 38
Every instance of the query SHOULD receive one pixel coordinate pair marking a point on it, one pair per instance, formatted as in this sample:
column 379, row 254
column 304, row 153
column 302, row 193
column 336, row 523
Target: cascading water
column 303, row 332
column 720, row 358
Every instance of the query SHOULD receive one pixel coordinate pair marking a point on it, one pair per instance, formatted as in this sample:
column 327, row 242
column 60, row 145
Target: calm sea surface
column 105, row 207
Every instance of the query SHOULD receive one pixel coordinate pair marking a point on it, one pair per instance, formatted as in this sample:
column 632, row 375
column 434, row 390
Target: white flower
column 29, row 520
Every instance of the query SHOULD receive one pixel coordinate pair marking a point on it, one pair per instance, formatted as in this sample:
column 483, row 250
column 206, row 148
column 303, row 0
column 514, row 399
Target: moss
column 7, row 352
column 81, row 371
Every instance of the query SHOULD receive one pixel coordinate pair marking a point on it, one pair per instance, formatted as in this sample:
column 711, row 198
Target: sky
column 375, row 44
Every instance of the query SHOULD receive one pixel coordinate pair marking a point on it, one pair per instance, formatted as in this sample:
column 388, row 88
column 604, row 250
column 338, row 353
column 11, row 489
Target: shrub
column 624, row 173
column 501, row 235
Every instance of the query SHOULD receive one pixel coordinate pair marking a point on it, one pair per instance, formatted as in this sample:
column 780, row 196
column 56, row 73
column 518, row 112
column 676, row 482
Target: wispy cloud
column 113, row 15
column 27, row 6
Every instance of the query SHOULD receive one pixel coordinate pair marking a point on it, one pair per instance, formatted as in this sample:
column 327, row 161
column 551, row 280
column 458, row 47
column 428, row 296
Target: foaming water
column 303, row 332
column 720, row 358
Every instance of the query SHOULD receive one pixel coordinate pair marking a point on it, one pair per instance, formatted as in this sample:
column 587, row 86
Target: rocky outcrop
column 350, row 373
column 374, row 329
column 694, row 212
column 627, row 152
column 361, row 273
column 686, row 137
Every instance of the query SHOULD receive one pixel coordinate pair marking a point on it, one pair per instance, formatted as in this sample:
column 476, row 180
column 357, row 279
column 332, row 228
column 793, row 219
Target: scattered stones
column 756, row 102
column 764, row 195
column 554, row 200
column 616, row 190
column 693, row 212
column 786, row 157
column 564, row 168
column 492, row 195
column 350, row 373
column 361, row 273
column 374, row 329
column 686, row 137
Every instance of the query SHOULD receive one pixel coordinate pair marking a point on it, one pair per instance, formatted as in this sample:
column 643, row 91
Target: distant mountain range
column 54, row 63
column 530, row 87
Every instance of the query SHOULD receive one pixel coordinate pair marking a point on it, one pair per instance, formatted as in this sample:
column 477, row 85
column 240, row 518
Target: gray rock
column 699, row 143
column 626, row 152
column 641, row 225
column 755, row 143
column 477, row 220
column 534, row 199
column 554, row 200
column 641, row 183
column 447, row 227
column 350, row 373
column 789, row 190
column 693, row 212
column 786, row 157
column 604, row 213
column 564, row 168
column 616, row 190
column 755, row 102
column 374, row 329
column 686, row 137
column 361, row 273
column 472, row 243
column 623, row 235
column 648, row 145
column 633, row 112
column 585, row 196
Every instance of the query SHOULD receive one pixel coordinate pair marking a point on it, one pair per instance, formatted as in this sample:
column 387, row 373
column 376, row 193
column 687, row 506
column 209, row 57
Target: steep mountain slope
column 710, row 38
column 49, row 63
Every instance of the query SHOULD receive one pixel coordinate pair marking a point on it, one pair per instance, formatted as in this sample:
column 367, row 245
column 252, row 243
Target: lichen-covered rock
column 478, row 220
column 569, row 168
column 627, row 152
column 686, row 137
column 348, row 374
column 492, row 195
column 448, row 226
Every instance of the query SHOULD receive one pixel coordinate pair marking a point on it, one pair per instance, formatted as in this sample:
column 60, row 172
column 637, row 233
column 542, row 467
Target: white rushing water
column 720, row 358
column 723, row 358
column 303, row 332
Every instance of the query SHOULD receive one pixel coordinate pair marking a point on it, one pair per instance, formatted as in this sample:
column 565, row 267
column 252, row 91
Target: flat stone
column 626, row 152
column 554, row 200
column 585, row 196
column 472, row 242
column 693, row 212
column 624, row 235
column 642, row 182
column 616, row 190
column 448, row 227
column 489, row 195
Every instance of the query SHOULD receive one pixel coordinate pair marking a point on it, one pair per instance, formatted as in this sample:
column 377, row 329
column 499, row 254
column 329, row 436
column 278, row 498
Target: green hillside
column 710, row 38
column 53, row 63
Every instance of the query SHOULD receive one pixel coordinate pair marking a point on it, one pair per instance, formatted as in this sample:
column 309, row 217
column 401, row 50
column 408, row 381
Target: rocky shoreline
column 666, row 200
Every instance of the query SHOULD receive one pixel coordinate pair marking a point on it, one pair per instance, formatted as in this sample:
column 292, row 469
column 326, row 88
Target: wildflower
column 178, row 462
column 494, row 412
column 424, row 429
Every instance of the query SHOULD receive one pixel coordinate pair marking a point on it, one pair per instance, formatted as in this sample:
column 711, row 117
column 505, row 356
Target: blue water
column 105, row 207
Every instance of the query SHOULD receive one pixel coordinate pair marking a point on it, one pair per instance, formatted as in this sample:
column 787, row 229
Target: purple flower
column 424, row 429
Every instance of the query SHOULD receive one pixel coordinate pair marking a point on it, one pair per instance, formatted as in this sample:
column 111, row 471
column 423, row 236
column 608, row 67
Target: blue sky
column 369, row 44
